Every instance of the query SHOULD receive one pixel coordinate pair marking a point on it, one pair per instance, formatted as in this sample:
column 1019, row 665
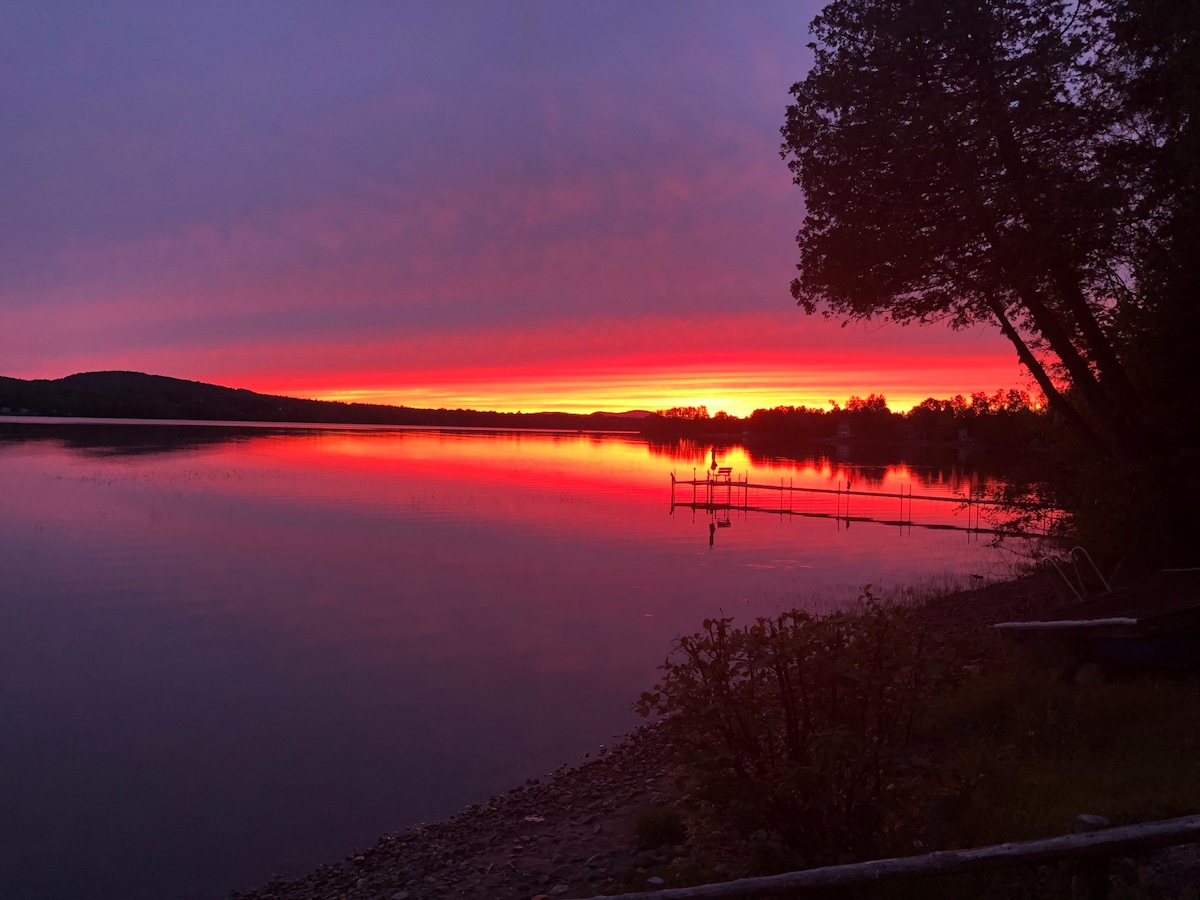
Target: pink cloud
column 593, row 234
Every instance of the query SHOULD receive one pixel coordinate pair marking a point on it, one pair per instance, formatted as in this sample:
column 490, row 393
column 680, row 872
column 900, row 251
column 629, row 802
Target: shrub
column 797, row 728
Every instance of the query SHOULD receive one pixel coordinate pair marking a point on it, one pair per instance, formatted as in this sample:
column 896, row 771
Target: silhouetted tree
column 1154, row 76
column 690, row 413
column 1028, row 163
column 870, row 418
column 949, row 156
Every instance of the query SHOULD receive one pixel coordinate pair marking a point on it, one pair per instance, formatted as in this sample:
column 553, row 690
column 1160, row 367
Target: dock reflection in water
column 719, row 493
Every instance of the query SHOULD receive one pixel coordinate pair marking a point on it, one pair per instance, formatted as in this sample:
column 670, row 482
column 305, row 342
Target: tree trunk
column 1111, row 395
column 1054, row 397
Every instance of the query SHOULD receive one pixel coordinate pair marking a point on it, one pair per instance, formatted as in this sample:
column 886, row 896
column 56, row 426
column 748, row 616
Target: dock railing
column 721, row 491
column 1091, row 847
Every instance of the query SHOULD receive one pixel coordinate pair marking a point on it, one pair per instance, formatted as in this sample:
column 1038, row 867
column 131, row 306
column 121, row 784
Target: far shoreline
column 54, row 421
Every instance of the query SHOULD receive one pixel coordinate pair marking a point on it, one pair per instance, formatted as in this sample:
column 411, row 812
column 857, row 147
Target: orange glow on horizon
column 734, row 362
column 735, row 390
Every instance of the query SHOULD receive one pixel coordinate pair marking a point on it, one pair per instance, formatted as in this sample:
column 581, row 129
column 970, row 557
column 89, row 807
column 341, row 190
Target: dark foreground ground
column 574, row 833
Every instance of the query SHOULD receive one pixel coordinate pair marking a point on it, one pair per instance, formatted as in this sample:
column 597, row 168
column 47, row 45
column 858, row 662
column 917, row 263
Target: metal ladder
column 1072, row 560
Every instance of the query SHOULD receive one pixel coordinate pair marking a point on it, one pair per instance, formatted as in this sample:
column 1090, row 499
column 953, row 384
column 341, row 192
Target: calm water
column 231, row 653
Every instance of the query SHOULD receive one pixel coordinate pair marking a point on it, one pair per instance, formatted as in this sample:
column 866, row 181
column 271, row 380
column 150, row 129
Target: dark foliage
column 1033, row 164
column 796, row 730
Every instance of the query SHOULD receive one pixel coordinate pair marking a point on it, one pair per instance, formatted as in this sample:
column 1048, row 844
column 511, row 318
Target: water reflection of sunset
column 428, row 599
column 546, row 483
column 560, row 459
column 575, row 482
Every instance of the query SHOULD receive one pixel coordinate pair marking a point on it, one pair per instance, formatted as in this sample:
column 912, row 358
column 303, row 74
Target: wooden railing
column 721, row 491
column 1092, row 846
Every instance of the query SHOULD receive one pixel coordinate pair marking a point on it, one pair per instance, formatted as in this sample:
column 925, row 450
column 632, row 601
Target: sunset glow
column 528, row 207
column 794, row 362
column 737, row 392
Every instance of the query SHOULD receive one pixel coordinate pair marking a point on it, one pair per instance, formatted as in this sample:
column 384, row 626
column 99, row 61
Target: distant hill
column 134, row 395
column 631, row 414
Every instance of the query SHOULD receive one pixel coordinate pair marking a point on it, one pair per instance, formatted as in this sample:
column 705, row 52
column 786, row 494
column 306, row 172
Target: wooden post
column 1090, row 881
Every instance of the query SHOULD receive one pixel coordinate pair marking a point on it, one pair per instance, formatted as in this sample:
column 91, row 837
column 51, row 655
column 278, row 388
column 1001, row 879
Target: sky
column 495, row 205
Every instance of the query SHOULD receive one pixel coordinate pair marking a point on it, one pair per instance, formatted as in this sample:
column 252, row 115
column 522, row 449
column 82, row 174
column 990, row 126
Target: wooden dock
column 719, row 491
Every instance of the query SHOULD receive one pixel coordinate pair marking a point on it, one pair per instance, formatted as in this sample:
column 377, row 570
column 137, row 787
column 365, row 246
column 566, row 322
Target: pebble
column 576, row 827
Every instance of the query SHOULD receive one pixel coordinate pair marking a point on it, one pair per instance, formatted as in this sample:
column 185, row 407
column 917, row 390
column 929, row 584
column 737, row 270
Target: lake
column 230, row 652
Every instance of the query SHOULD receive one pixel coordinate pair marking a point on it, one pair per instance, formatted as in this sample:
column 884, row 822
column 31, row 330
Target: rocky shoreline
column 571, row 835
column 574, row 834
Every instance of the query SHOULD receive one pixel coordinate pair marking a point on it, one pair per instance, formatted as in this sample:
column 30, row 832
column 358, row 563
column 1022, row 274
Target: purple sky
column 518, row 205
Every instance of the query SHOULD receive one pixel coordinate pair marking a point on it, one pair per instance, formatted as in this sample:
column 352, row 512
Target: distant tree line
column 1007, row 419
column 1004, row 419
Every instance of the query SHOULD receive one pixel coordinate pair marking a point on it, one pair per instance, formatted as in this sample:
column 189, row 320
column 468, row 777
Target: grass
column 1024, row 752
column 1014, row 753
column 910, row 593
